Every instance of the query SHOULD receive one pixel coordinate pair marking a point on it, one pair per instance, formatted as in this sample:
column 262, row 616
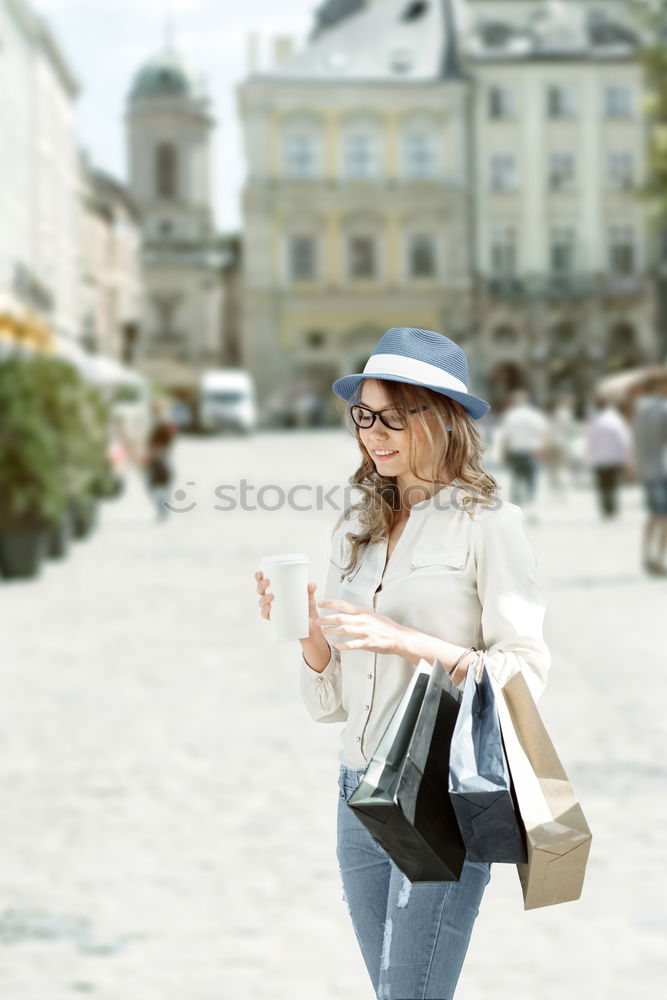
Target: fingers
column 265, row 600
column 350, row 609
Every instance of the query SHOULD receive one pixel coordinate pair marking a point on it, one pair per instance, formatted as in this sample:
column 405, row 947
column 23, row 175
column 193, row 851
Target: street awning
column 621, row 386
column 22, row 326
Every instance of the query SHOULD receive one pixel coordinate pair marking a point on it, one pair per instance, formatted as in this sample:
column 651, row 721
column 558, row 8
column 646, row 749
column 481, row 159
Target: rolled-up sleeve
column 512, row 606
column 322, row 693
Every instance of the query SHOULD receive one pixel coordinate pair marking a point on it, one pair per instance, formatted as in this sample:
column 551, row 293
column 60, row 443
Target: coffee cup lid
column 290, row 557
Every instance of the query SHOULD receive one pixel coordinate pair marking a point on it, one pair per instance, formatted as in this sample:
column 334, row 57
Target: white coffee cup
column 288, row 575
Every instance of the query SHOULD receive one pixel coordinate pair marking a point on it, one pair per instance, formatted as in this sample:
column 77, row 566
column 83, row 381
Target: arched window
column 420, row 134
column 563, row 338
column 622, row 337
column 166, row 170
column 302, row 147
column 362, row 147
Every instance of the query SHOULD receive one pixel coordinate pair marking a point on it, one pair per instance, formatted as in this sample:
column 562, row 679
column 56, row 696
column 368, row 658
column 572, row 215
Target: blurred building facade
column 356, row 214
column 563, row 247
column 169, row 134
column 39, row 172
column 111, row 266
column 471, row 167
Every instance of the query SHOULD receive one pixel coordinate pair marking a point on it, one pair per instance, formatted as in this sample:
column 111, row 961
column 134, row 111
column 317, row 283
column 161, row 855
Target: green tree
column 651, row 18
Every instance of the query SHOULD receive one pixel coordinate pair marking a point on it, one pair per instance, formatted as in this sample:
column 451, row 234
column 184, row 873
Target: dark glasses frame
column 378, row 413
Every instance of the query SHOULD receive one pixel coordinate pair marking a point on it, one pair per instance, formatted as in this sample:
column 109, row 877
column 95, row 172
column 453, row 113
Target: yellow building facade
column 355, row 205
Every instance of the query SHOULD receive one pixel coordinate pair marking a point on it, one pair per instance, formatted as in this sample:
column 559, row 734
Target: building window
column 300, row 155
column 166, row 170
column 419, row 156
column 415, row 10
column 622, row 255
column 315, row 339
column 618, row 102
column 302, row 263
column 502, row 103
column 421, row 256
column 360, row 156
column 362, row 257
column 560, row 102
column 561, row 171
column 504, row 172
column 495, row 34
column 620, row 171
column 562, row 254
column 504, row 252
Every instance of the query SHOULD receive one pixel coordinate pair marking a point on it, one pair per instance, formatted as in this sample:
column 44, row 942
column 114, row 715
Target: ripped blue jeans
column 413, row 935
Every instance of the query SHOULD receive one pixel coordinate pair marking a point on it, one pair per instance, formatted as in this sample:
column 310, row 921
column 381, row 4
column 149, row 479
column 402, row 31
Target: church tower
column 169, row 130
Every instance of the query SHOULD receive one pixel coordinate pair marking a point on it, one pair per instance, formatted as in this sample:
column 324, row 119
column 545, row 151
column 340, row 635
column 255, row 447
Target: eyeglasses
column 395, row 420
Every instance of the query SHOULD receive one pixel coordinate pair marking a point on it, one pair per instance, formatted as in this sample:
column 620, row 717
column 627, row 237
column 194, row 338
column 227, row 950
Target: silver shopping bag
column 480, row 785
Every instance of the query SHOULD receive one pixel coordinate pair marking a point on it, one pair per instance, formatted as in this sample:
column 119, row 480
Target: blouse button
column 370, row 677
column 367, row 708
column 358, row 739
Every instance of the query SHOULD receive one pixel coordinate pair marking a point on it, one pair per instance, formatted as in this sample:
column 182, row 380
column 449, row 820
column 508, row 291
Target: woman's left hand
column 365, row 628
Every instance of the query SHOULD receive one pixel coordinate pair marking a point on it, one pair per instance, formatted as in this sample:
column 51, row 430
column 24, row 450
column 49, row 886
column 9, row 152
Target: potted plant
column 32, row 494
column 79, row 415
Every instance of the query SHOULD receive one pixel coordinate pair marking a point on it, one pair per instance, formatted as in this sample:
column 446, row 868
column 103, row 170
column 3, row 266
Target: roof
column 331, row 12
column 554, row 29
column 166, row 75
column 393, row 40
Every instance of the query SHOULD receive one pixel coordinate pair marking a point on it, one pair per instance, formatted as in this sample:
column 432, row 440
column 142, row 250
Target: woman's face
column 390, row 449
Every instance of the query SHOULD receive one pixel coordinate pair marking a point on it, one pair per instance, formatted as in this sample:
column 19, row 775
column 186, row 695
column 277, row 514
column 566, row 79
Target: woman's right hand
column 315, row 648
column 314, row 630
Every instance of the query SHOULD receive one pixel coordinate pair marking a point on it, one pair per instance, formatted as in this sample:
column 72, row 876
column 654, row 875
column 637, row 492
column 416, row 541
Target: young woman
column 428, row 563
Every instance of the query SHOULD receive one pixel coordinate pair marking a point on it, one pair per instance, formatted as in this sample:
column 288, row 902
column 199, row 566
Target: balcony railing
column 563, row 287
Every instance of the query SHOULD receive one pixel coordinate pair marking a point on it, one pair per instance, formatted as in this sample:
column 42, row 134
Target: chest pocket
column 449, row 559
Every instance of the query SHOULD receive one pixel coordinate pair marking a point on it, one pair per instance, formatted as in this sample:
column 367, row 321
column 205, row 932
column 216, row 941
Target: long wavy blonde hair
column 456, row 449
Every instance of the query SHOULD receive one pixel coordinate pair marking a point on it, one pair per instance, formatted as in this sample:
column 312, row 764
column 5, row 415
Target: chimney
column 252, row 53
column 283, row 46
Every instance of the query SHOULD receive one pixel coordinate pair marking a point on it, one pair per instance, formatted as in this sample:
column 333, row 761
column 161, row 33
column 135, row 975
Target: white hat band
column 420, row 371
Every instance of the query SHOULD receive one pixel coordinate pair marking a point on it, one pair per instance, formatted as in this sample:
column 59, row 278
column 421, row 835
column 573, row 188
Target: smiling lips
column 382, row 455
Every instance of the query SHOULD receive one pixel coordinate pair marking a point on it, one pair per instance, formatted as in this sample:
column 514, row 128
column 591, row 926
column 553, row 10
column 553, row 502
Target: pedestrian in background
column 524, row 432
column 650, row 429
column 560, row 448
column 158, row 461
column 425, row 491
column 609, row 444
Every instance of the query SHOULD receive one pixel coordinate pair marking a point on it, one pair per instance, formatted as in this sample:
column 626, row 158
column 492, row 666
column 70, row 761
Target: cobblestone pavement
column 167, row 816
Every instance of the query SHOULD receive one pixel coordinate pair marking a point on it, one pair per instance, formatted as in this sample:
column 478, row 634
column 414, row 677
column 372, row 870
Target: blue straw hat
column 418, row 357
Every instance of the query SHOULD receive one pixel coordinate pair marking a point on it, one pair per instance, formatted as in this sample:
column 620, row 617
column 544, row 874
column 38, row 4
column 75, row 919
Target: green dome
column 164, row 76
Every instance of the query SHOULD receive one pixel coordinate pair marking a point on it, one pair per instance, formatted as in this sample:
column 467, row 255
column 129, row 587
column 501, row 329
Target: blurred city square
column 169, row 818
column 207, row 216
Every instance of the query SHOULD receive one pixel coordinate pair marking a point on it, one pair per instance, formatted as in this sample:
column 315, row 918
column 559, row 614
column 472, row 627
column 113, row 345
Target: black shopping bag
column 480, row 785
column 403, row 797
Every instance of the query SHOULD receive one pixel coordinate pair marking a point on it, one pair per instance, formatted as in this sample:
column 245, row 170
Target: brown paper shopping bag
column 557, row 834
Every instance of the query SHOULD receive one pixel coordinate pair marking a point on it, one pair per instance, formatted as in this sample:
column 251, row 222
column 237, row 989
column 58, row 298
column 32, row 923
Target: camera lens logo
column 180, row 495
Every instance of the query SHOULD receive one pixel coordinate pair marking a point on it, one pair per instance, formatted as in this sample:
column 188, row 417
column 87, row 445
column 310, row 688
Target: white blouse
column 469, row 580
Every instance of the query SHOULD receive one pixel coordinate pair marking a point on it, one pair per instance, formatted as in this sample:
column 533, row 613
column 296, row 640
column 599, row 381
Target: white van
column 227, row 400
